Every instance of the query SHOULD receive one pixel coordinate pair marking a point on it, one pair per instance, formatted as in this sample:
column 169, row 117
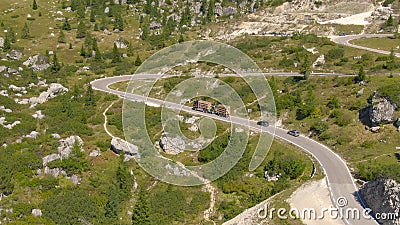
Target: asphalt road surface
column 340, row 181
column 345, row 40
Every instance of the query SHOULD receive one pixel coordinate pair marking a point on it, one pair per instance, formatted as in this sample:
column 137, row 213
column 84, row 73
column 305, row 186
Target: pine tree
column 75, row 93
column 113, row 200
column 83, row 52
column 61, row 37
column 392, row 56
column 89, row 96
column 25, row 32
column 145, row 32
column 75, row 4
column 11, row 35
column 55, row 65
column 138, row 61
column 130, row 50
column 361, row 74
column 7, row 44
column 89, row 41
column 96, row 27
column 169, row 27
column 116, row 55
column 180, row 40
column 124, row 180
column 66, row 25
column 390, row 21
column 147, row 7
column 141, row 20
column 81, row 32
column 140, row 214
column 95, row 48
column 210, row 11
column 186, row 18
column 81, row 11
column 306, row 68
column 203, row 7
column 119, row 22
column 70, row 45
column 92, row 16
column 34, row 5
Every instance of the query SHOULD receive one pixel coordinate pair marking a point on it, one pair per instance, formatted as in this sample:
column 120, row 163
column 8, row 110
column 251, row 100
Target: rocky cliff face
column 383, row 196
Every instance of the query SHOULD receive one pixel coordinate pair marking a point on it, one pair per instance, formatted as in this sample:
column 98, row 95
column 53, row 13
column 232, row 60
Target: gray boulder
column 37, row 62
column 123, row 2
column 229, row 10
column 33, row 134
column 121, row 43
column 12, row 71
column 383, row 196
column 38, row 115
column 66, row 145
column 15, row 54
column 1, row 42
column 50, row 158
column 382, row 111
column 36, row 212
column 51, row 92
column 64, row 149
column 218, row 9
column 75, row 179
column 95, row 153
column 155, row 25
column 55, row 172
column 107, row 32
column 56, row 136
column 119, row 145
column 172, row 146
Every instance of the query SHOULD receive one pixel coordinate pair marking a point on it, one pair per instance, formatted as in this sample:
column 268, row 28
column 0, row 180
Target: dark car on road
column 294, row 133
column 263, row 123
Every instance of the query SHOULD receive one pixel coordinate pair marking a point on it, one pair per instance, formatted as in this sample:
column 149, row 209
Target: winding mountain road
column 339, row 179
column 345, row 40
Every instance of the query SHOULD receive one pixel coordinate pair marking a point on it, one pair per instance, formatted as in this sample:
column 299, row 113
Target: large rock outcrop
column 382, row 111
column 15, row 54
column 383, row 197
column 119, row 145
column 51, row 92
column 172, row 146
column 121, row 43
column 64, row 149
column 37, row 62
column 66, row 145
